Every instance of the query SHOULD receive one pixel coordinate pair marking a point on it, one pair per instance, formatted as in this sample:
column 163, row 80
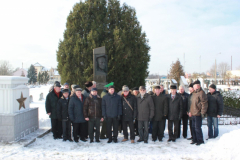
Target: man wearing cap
column 129, row 110
column 174, row 113
column 75, row 111
column 51, row 109
column 214, row 111
column 160, row 113
column 92, row 110
column 199, row 106
column 135, row 92
column 145, row 108
column 191, row 90
column 184, row 118
column 62, row 114
column 111, row 111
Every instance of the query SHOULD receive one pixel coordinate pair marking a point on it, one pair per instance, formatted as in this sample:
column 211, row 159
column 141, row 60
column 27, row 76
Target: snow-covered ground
column 224, row 147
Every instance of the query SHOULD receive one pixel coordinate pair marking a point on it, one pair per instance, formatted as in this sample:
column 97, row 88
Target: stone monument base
column 14, row 126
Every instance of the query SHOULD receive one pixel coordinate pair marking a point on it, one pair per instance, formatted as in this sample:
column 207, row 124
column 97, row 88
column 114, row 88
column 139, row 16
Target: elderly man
column 51, row 109
column 111, row 111
column 129, row 110
column 145, row 107
column 199, row 106
column 174, row 113
column 191, row 90
column 93, row 114
column 160, row 113
column 184, row 118
column 75, row 111
column 135, row 92
column 215, row 110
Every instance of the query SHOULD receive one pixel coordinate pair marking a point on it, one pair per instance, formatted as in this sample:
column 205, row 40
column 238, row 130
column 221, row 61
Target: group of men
column 83, row 110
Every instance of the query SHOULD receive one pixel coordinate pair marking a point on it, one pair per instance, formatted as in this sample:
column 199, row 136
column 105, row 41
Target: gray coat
column 145, row 107
column 175, row 107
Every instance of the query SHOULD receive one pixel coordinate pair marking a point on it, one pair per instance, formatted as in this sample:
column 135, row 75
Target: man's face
column 211, row 90
column 65, row 94
column 125, row 93
column 142, row 91
column 101, row 63
column 181, row 90
column 191, row 90
column 157, row 91
column 161, row 89
column 57, row 89
column 94, row 93
column 196, row 86
column 173, row 91
column 135, row 92
column 66, row 86
column 111, row 90
column 78, row 93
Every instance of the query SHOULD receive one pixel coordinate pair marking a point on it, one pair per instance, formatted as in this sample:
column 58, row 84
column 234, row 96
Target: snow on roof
column 37, row 65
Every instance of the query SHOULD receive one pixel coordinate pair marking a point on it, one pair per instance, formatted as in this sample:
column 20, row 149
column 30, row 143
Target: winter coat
column 129, row 114
column 199, row 103
column 104, row 92
column 160, row 106
column 215, row 104
column 92, row 108
column 111, row 105
column 189, row 101
column 75, row 109
column 51, row 103
column 86, row 92
column 175, row 107
column 185, row 102
column 145, row 107
column 62, row 108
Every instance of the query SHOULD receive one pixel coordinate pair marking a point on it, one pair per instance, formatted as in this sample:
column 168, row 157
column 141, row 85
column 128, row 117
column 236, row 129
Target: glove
column 119, row 117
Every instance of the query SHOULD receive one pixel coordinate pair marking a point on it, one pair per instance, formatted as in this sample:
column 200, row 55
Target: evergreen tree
column 176, row 71
column 39, row 78
column 45, row 77
column 94, row 23
column 32, row 75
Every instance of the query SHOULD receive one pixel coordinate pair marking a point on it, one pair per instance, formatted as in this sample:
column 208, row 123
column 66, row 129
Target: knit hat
column 213, row 86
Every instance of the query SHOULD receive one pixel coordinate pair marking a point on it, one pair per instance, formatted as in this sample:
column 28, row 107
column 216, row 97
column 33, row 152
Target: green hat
column 110, row 84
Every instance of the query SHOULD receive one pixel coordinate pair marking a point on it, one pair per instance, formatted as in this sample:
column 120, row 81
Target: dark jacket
column 51, row 103
column 62, row 108
column 175, row 107
column 185, row 102
column 189, row 101
column 160, row 106
column 199, row 103
column 75, row 109
column 92, row 108
column 111, row 105
column 127, row 113
column 145, row 107
column 215, row 104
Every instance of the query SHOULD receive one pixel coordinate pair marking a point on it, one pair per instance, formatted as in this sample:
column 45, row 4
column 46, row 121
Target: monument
column 16, row 118
column 100, row 67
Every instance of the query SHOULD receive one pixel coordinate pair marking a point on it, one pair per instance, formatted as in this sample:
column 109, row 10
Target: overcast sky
column 30, row 31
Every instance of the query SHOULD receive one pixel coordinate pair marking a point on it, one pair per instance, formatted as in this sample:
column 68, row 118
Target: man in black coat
column 191, row 90
column 135, row 92
column 62, row 114
column 174, row 113
column 51, row 108
column 129, row 113
column 214, row 111
column 145, row 108
column 75, row 111
column 160, row 113
column 111, row 111
column 184, row 118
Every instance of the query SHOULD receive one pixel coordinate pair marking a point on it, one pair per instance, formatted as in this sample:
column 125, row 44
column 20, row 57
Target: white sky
column 30, row 31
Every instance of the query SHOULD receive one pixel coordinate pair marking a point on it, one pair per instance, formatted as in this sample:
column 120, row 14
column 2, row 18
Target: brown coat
column 199, row 103
column 92, row 108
